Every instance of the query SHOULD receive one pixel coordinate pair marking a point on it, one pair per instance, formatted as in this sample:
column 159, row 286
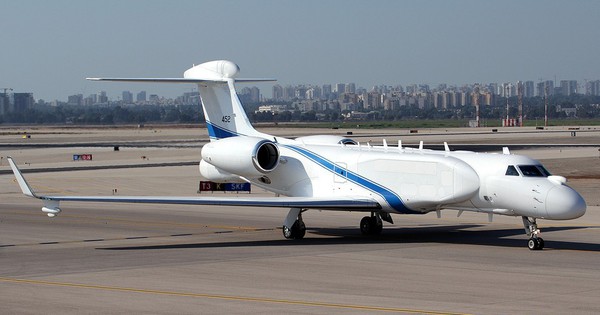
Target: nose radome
column 564, row 203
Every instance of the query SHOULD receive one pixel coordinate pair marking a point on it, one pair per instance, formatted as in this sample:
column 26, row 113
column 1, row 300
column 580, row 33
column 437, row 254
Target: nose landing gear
column 535, row 242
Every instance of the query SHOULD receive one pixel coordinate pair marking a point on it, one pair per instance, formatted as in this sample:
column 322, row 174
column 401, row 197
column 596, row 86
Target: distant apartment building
column 289, row 92
column 15, row 102
column 592, row 87
column 23, row 101
column 189, row 98
column 255, row 94
column 528, row 89
column 326, row 91
column 545, row 87
column 6, row 103
column 75, row 99
column 127, row 97
column 350, row 88
column 154, row 99
column 277, row 92
column 102, row 97
column 372, row 100
column 141, row 96
column 90, row 100
column 507, row 90
column 313, row 93
column 300, row 92
column 568, row 87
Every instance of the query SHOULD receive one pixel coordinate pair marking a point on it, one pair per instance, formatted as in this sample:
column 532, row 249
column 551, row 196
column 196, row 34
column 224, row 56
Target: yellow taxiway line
column 227, row 297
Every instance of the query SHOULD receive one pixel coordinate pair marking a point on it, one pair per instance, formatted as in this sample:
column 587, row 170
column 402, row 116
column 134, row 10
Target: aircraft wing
column 347, row 203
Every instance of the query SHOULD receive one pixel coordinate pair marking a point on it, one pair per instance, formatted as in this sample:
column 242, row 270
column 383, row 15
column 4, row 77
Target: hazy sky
column 49, row 47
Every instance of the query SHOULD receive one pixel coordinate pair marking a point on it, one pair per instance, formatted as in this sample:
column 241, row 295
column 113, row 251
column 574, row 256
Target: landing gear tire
column 371, row 225
column 531, row 229
column 296, row 232
column 541, row 243
column 536, row 243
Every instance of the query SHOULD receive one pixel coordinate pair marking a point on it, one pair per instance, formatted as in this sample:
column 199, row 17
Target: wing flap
column 276, row 202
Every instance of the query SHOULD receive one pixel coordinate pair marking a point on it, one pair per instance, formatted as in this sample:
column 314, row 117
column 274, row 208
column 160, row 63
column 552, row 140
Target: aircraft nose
column 564, row 203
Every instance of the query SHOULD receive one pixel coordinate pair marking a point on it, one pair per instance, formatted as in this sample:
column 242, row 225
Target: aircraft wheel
column 371, row 225
column 287, row 232
column 535, row 243
column 296, row 232
column 366, row 226
column 532, row 244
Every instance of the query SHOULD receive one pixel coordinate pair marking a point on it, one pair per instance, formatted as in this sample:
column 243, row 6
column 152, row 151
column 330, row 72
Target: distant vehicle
column 336, row 173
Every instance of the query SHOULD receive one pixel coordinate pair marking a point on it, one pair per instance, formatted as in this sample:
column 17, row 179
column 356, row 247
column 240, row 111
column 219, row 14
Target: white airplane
column 335, row 173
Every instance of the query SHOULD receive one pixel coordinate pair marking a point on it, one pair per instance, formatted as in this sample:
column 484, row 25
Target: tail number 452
column 226, row 119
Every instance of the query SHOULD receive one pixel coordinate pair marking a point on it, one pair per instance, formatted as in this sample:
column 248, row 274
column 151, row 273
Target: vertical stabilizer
column 225, row 116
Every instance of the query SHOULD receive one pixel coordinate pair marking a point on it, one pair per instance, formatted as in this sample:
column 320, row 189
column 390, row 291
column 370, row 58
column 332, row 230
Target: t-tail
column 223, row 111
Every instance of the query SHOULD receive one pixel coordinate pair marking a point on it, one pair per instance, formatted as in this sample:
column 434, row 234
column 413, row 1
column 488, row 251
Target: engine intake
column 244, row 156
column 266, row 158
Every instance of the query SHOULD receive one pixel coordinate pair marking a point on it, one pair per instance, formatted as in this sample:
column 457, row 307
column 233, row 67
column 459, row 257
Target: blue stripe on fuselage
column 390, row 197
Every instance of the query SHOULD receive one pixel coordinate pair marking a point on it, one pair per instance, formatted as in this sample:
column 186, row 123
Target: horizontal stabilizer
column 181, row 80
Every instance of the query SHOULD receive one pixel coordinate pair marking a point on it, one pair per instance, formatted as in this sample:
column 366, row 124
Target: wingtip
column 25, row 188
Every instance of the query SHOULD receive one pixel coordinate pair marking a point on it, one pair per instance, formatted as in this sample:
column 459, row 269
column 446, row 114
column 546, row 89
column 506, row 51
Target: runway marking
column 230, row 297
column 127, row 238
column 145, row 223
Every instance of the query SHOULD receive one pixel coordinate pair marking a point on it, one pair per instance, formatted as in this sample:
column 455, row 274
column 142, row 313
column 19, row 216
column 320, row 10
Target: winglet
column 21, row 180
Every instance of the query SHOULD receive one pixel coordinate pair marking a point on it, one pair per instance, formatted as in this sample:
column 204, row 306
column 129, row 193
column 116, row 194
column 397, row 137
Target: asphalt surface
column 130, row 259
column 117, row 259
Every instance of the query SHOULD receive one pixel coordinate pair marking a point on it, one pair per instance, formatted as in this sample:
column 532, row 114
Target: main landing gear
column 293, row 226
column 535, row 242
column 371, row 225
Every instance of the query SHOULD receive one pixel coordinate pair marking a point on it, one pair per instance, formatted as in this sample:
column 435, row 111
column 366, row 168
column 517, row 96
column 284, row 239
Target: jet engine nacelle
column 244, row 156
column 217, row 175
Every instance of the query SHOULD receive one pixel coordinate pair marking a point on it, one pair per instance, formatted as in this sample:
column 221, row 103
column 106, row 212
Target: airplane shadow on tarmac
column 458, row 234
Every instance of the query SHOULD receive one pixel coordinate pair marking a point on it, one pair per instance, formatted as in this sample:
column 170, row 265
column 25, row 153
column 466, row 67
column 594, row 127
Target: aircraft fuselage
column 407, row 180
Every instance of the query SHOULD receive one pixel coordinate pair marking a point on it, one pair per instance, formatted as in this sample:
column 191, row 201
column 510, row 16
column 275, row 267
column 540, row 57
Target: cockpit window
column 534, row 171
column 511, row 171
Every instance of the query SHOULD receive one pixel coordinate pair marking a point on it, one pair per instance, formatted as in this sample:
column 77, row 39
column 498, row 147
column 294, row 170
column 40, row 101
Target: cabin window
column 511, row 171
column 534, row 171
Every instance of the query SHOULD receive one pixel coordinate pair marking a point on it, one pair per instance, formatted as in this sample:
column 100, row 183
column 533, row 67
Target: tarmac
column 160, row 259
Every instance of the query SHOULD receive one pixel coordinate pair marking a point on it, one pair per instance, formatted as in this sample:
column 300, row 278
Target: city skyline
column 530, row 89
column 50, row 47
